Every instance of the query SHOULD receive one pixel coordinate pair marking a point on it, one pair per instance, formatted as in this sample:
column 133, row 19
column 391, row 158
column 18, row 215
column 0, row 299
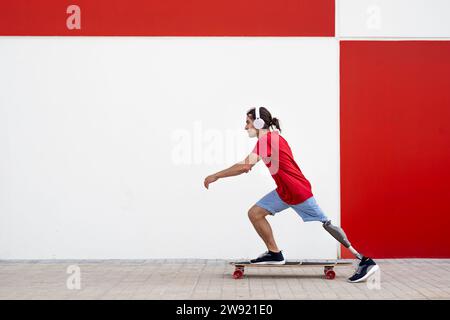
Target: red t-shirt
column 292, row 186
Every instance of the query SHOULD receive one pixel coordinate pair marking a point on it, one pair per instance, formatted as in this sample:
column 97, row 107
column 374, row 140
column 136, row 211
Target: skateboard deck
column 328, row 266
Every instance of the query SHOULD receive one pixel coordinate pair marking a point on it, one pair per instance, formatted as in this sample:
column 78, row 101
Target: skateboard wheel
column 238, row 274
column 326, row 269
column 330, row 274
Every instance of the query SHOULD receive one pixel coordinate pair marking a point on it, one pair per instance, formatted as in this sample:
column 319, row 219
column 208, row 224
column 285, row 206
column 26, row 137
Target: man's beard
column 252, row 133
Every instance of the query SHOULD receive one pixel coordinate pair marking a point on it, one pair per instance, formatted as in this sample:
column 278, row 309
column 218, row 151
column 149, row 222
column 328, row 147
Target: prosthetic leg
column 340, row 236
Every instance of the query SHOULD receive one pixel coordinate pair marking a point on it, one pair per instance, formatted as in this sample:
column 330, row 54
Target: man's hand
column 236, row 169
column 209, row 179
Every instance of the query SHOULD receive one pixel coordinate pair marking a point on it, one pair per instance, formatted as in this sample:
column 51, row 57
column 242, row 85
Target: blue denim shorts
column 308, row 210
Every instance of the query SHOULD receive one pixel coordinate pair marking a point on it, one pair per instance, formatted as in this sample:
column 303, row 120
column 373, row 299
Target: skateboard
column 328, row 266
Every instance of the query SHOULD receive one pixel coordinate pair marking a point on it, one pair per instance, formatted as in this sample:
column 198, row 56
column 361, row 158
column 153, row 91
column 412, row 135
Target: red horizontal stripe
column 170, row 17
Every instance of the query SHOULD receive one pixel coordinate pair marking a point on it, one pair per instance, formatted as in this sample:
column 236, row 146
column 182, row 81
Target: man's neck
column 262, row 132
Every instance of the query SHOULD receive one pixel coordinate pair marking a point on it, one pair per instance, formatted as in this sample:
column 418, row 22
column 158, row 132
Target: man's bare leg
column 257, row 216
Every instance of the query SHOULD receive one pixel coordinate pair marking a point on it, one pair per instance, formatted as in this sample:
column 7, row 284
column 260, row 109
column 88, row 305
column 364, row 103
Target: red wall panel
column 170, row 17
column 395, row 147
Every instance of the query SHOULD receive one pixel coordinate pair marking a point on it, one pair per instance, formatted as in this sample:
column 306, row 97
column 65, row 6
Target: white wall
column 89, row 142
column 393, row 18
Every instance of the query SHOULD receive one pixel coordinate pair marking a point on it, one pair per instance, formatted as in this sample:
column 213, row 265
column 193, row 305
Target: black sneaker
column 366, row 268
column 269, row 257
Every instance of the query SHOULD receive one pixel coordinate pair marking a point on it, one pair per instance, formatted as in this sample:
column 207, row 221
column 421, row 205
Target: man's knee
column 255, row 213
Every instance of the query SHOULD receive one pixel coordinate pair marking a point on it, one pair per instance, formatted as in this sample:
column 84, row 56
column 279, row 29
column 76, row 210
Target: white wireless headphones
column 258, row 123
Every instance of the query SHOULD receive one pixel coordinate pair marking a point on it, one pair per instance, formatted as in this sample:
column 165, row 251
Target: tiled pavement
column 211, row 279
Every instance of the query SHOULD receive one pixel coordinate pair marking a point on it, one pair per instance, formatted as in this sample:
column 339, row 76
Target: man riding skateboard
column 293, row 191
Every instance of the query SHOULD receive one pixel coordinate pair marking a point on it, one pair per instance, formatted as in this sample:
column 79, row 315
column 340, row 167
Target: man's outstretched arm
column 243, row 166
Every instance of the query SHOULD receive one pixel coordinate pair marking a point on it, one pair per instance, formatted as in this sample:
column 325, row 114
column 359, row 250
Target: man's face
column 252, row 132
